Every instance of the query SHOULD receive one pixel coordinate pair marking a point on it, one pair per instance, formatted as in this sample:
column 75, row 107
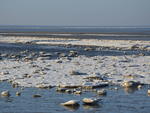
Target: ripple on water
column 122, row 100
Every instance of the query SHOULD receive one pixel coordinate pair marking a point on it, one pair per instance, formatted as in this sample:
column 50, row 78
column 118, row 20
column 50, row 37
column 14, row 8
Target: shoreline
column 120, row 44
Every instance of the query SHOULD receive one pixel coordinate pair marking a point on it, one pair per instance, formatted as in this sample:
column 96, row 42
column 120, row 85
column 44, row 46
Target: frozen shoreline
column 55, row 72
column 123, row 44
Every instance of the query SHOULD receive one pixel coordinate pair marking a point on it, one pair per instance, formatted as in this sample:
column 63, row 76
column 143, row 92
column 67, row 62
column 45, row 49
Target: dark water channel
column 54, row 49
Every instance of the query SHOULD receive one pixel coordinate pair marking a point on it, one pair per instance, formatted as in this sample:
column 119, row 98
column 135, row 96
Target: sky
column 75, row 12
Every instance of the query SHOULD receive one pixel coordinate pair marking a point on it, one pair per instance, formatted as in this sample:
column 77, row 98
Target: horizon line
column 74, row 25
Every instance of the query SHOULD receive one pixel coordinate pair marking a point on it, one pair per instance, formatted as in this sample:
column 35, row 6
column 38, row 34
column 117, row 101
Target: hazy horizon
column 9, row 25
column 75, row 13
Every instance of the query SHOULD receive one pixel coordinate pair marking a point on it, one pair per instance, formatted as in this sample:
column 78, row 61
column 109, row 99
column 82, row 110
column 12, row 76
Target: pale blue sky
column 75, row 12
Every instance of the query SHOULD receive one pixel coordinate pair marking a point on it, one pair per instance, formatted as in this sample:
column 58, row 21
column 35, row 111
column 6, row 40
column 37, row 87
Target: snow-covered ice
column 114, row 69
